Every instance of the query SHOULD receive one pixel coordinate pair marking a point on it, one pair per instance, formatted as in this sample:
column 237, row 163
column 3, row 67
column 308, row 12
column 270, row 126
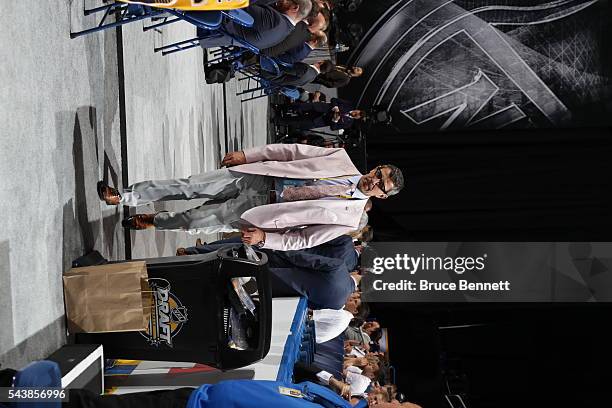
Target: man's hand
column 233, row 159
column 355, row 275
column 253, row 236
column 341, row 388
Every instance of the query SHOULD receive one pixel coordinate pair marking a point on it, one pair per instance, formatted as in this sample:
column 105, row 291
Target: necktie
column 314, row 192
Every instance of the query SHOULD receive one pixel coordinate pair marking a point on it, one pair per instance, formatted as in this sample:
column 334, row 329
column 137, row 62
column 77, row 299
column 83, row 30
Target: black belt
column 272, row 197
column 272, row 192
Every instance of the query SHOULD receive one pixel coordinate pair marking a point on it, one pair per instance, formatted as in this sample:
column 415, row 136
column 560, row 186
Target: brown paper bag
column 107, row 298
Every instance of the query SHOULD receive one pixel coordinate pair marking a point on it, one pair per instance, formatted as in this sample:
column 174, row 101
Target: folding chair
column 191, row 5
column 126, row 13
column 237, row 15
column 266, row 85
column 129, row 11
column 208, row 20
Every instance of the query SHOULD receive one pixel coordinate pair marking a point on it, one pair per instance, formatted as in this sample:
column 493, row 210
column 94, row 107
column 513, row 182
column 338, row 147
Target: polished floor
column 75, row 112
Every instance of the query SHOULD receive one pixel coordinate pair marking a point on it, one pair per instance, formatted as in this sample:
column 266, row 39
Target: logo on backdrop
column 168, row 315
column 492, row 64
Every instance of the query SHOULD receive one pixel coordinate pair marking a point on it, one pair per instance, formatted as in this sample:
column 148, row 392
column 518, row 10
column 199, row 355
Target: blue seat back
column 291, row 93
column 269, row 65
column 39, row 374
column 209, row 20
column 239, row 16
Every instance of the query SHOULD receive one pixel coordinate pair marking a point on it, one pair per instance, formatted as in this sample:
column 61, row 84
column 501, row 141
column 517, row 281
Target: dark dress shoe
column 139, row 221
column 108, row 194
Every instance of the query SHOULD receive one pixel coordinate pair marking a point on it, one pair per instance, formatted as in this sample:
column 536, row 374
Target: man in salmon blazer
column 282, row 196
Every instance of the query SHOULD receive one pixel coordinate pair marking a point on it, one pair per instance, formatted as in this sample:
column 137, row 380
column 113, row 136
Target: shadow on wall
column 38, row 346
column 85, row 227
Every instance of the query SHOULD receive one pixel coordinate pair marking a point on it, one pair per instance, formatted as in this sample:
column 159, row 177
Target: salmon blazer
column 301, row 224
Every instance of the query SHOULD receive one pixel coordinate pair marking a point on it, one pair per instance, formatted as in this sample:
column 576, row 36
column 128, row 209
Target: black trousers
column 305, row 122
column 305, row 372
column 154, row 399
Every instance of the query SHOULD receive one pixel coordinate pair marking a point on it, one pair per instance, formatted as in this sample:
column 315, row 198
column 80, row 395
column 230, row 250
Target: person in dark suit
column 339, row 76
column 326, row 282
column 299, row 53
column 337, row 114
column 299, row 74
column 342, row 247
column 272, row 24
column 320, row 273
column 317, row 22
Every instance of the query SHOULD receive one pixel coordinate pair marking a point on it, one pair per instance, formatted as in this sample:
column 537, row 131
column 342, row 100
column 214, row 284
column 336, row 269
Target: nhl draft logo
column 167, row 314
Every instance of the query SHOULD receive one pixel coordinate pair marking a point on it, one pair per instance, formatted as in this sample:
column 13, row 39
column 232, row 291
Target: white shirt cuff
column 324, row 377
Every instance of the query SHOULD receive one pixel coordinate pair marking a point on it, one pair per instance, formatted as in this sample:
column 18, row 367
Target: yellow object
column 127, row 362
column 290, row 392
column 192, row 5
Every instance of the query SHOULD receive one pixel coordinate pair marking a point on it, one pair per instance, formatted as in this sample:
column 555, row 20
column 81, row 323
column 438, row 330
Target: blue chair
column 126, row 13
column 208, row 20
column 39, row 374
column 237, row 15
column 266, row 84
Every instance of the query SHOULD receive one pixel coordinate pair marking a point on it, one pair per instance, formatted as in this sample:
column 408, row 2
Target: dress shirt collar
column 316, row 69
column 357, row 193
column 355, row 282
column 293, row 23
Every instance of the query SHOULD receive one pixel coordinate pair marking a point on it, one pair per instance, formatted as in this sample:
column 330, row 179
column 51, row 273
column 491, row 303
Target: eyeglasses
column 381, row 182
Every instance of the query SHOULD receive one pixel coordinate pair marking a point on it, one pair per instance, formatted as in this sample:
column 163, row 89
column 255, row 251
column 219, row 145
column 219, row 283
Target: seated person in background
column 330, row 323
column 307, row 96
column 299, row 53
column 316, row 21
column 272, row 24
column 317, row 96
column 362, row 333
column 342, row 248
column 299, row 74
column 320, row 273
column 339, row 76
column 338, row 114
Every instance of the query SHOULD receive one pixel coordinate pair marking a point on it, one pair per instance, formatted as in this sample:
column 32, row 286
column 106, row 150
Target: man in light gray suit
column 283, row 196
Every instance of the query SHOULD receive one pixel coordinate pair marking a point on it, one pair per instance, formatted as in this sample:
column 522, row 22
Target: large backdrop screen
column 482, row 64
